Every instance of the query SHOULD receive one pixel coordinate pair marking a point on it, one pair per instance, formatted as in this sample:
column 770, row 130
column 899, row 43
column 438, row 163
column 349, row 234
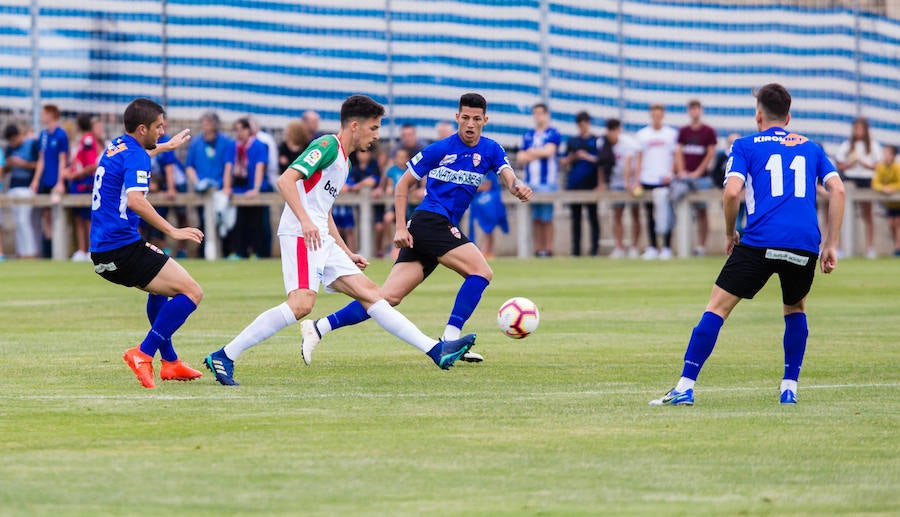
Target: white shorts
column 305, row 269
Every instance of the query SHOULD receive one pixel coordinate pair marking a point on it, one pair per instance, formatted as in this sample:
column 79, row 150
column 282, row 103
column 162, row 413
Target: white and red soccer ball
column 518, row 317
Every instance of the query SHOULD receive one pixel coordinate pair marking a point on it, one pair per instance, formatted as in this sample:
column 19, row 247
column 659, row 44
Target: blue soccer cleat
column 219, row 363
column 675, row 398
column 788, row 397
column 445, row 353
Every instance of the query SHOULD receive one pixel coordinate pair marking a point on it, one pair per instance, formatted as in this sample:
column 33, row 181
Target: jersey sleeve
column 260, row 153
column 554, row 137
column 321, row 153
column 137, row 171
column 825, row 169
column 737, row 162
column 501, row 161
column 422, row 163
column 63, row 141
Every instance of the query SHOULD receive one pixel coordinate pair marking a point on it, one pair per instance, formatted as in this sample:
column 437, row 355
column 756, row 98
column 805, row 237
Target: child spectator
column 80, row 179
column 887, row 180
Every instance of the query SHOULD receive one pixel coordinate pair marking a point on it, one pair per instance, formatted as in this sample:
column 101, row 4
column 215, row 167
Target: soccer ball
column 518, row 317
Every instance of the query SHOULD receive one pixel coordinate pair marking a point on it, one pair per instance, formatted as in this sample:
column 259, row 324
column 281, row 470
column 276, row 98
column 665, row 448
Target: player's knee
column 392, row 298
column 194, row 292
column 300, row 306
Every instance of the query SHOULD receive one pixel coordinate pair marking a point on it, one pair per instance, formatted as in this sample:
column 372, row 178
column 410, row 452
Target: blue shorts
column 542, row 212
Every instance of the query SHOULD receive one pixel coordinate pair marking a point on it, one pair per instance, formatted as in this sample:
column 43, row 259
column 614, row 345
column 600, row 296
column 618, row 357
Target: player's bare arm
column 402, row 237
column 515, row 186
column 287, row 185
column 139, row 205
column 837, row 198
column 174, row 143
column 731, row 200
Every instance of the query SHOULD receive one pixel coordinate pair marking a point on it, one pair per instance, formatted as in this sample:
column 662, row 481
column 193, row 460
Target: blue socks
column 703, row 340
column 154, row 304
column 171, row 315
column 351, row 314
column 467, row 299
column 795, row 333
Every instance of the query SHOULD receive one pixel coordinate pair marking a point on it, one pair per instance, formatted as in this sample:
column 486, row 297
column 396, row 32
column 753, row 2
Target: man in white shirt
column 655, row 165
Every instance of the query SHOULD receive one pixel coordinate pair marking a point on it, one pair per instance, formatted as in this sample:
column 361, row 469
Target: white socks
column 787, row 384
column 391, row 320
column 263, row 327
column 451, row 333
column 684, row 384
column 323, row 326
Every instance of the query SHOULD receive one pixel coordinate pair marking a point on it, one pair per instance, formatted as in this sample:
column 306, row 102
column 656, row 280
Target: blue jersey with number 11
column 124, row 166
column 454, row 171
column 780, row 171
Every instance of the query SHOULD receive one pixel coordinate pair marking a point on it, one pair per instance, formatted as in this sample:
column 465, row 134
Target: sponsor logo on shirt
column 143, row 177
column 788, row 140
column 331, row 189
column 416, row 158
column 787, row 256
column 459, row 177
column 313, row 157
column 448, row 159
column 114, row 149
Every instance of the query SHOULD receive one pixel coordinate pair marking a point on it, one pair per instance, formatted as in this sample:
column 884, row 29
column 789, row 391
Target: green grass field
column 557, row 424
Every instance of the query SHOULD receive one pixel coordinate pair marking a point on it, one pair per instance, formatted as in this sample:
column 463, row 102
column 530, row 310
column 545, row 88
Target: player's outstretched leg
column 312, row 331
column 703, row 340
column 796, row 332
column 445, row 353
column 221, row 362
column 466, row 300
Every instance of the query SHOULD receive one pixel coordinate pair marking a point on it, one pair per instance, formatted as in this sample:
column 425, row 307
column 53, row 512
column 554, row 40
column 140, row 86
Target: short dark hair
column 774, row 100
column 52, row 110
column 84, row 121
column 694, row 103
column 582, row 116
column 612, row 124
column 244, row 122
column 141, row 111
column 890, row 148
column 540, row 105
column 473, row 100
column 360, row 107
column 11, row 131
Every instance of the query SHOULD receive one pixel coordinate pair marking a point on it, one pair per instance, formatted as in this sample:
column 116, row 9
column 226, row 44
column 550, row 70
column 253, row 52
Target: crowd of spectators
column 665, row 161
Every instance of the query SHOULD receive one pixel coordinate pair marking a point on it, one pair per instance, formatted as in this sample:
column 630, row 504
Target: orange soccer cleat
column 141, row 364
column 178, row 371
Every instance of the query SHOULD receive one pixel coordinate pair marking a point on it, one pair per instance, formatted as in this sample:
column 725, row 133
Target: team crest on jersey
column 448, row 159
column 794, row 139
column 143, row 177
column 455, row 232
column 313, row 157
column 476, row 159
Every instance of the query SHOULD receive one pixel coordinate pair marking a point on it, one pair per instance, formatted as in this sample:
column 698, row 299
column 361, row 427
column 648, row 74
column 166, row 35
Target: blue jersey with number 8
column 124, row 166
column 780, row 171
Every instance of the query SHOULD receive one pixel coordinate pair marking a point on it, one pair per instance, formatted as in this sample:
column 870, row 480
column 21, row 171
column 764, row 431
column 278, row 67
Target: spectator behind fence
column 80, row 180
column 887, row 180
column 311, row 120
column 391, row 177
column 167, row 179
column 207, row 157
column 622, row 177
column 581, row 155
column 272, row 168
column 488, row 213
column 51, row 167
column 693, row 156
column 856, row 161
column 538, row 156
column 364, row 174
column 296, row 138
column 251, row 233
column 655, row 165
column 2, row 164
column 21, row 159
column 718, row 171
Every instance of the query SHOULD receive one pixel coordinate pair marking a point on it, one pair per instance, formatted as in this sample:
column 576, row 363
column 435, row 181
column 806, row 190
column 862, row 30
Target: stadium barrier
column 520, row 214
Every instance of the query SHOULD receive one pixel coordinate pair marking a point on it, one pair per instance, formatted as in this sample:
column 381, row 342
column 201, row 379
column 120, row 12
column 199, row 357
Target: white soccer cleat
column 310, row 337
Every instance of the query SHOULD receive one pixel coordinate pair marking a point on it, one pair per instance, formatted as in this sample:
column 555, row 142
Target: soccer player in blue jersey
column 778, row 172
column 453, row 168
column 121, row 256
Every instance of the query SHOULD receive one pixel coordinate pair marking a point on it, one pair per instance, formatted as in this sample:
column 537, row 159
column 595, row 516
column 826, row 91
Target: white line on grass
column 225, row 395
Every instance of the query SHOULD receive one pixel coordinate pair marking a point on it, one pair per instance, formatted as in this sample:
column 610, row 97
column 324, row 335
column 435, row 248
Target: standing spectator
column 248, row 178
column 443, row 129
column 310, row 120
column 364, row 173
column 581, row 156
column 296, row 138
column 51, row 166
column 272, row 169
column 693, row 155
column 21, row 158
column 655, row 164
column 856, row 161
column 391, row 177
column 409, row 140
column 622, row 178
column 2, row 164
column 718, row 170
column 488, row 212
column 538, row 156
column 207, row 158
column 172, row 180
column 887, row 180
column 81, row 181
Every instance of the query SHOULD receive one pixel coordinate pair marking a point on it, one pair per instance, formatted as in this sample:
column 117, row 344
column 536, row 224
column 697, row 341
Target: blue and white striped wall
column 276, row 58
